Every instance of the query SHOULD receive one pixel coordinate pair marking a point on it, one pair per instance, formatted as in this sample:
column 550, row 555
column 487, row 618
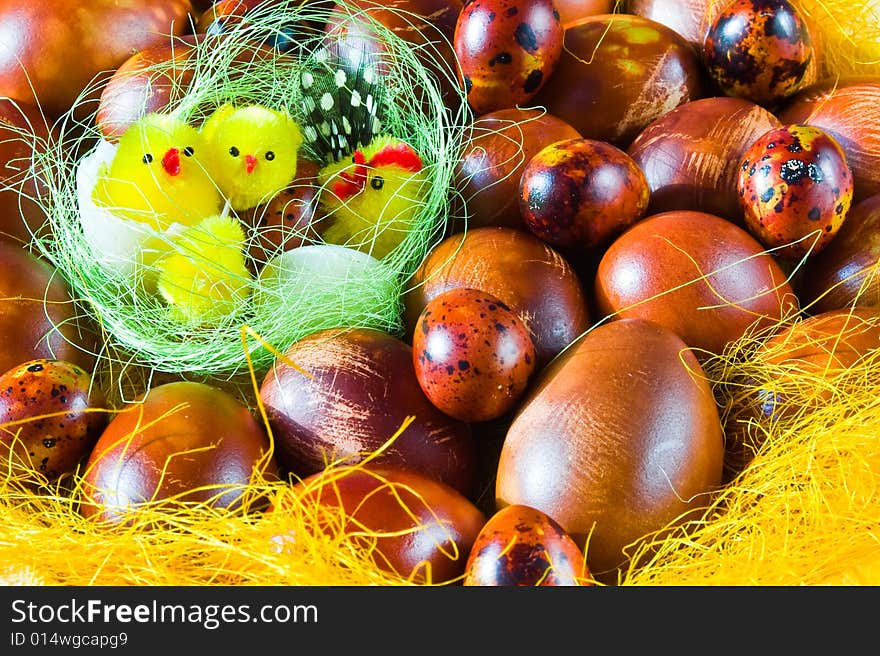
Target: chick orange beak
column 171, row 161
column 249, row 163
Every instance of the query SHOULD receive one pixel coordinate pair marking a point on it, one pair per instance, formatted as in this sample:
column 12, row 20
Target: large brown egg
column 846, row 272
column 50, row 415
column 849, row 110
column 357, row 391
column 689, row 18
column 691, row 155
column 516, row 267
column 489, row 171
column 696, row 274
column 413, row 525
column 38, row 316
column 180, row 441
column 51, row 51
column 617, row 74
column 522, row 546
column 573, row 10
column 619, row 438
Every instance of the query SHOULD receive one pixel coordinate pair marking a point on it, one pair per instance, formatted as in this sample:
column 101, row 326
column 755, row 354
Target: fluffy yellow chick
column 205, row 278
column 370, row 201
column 156, row 175
column 252, row 152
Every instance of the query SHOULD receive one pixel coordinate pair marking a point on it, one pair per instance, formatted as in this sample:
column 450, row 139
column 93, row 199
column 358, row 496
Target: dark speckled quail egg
column 472, row 354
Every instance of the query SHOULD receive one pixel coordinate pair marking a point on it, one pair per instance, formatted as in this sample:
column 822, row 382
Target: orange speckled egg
column 472, row 354
column 521, row 545
column 795, row 189
column 507, row 50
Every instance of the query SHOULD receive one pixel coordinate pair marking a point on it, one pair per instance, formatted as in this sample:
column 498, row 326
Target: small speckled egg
column 47, row 415
column 473, row 356
column 795, row 189
column 507, row 49
column 581, row 193
column 758, row 50
column 521, row 545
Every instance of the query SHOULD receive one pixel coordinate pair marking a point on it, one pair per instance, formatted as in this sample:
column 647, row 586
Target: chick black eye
column 270, row 155
column 377, row 182
column 189, row 151
column 234, row 151
column 147, row 158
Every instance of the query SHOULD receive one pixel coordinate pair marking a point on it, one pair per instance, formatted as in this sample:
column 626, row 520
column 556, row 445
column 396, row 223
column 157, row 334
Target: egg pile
column 640, row 188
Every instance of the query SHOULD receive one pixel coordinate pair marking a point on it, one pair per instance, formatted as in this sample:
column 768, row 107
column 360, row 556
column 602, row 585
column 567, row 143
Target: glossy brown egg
column 472, row 354
column 38, row 316
column 619, row 437
column 691, row 155
column 523, row 546
column 581, row 193
column 845, row 273
column 50, row 415
column 758, row 50
column 507, row 50
column 618, row 73
column 358, row 389
column 501, row 144
column 696, row 274
column 795, row 189
column 180, row 441
column 571, row 11
column 523, row 272
column 50, row 51
column 849, row 110
column 689, row 18
column 422, row 529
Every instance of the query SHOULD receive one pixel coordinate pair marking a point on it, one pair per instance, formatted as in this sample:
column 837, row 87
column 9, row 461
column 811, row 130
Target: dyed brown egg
column 523, row 546
column 845, row 273
column 758, row 50
column 573, row 10
column 507, row 50
column 619, row 437
column 472, row 355
column 618, row 73
column 523, row 272
column 696, row 274
column 357, row 393
column 50, row 414
column 422, row 529
column 691, row 155
column 180, row 441
column 489, row 171
column 689, row 18
column 581, row 193
column 795, row 189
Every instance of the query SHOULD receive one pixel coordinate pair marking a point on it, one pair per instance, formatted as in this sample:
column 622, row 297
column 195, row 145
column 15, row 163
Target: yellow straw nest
column 850, row 34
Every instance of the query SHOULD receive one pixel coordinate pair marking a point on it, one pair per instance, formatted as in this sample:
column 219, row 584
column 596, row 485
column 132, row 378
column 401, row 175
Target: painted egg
column 581, row 193
column 507, row 49
column 524, row 546
column 50, row 414
column 472, row 354
column 758, row 50
column 795, row 189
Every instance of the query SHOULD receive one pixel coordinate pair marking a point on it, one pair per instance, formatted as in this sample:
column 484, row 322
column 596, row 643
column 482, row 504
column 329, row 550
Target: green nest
column 236, row 67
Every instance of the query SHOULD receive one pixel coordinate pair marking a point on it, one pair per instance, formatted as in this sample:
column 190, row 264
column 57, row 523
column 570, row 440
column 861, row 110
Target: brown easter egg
column 501, row 144
column 689, row 18
column 581, row 193
column 523, row 546
column 617, row 74
column 516, row 267
column 357, row 391
column 422, row 529
column 50, row 415
column 691, row 155
column 619, row 437
column 571, row 11
column 180, row 441
column 472, row 354
column 696, row 274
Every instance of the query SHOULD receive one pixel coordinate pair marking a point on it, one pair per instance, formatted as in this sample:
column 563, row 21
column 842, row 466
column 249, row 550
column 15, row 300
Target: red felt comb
column 397, row 154
column 352, row 183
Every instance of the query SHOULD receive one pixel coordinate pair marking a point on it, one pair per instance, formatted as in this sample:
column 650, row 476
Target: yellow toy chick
column 205, row 279
column 156, row 176
column 371, row 201
column 252, row 152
